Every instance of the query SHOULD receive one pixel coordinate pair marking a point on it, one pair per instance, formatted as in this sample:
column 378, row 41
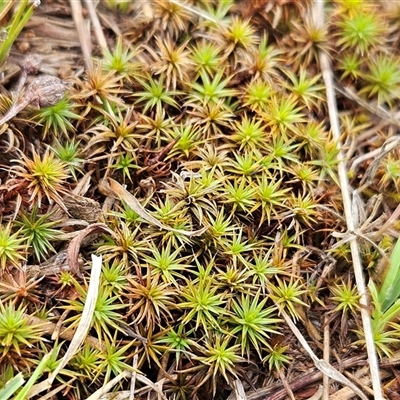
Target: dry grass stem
column 385, row 149
column 377, row 154
column 101, row 39
column 82, row 329
column 327, row 353
column 347, row 203
column 195, row 11
column 66, row 334
column 363, row 380
column 83, row 33
column 238, row 390
column 109, row 386
column 322, row 365
column 111, row 188
column 50, row 395
column 133, row 377
column 151, row 386
column 379, row 111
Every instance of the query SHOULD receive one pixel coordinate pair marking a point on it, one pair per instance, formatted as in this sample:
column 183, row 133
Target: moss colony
column 212, row 115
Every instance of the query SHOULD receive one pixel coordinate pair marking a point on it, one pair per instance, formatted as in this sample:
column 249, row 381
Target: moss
column 213, row 115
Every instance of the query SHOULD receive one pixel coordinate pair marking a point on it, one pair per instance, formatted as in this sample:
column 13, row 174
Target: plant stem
column 14, row 110
column 347, row 204
column 19, row 20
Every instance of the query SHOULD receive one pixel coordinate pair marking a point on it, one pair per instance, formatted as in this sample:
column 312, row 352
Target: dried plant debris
column 195, row 156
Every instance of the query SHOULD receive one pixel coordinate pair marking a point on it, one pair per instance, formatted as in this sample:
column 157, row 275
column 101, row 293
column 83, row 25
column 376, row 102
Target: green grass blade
column 390, row 289
column 21, row 17
column 12, row 386
column 392, row 312
column 22, row 395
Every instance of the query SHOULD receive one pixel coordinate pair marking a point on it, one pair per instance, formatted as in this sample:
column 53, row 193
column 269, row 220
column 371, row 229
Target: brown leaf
column 74, row 246
column 111, row 188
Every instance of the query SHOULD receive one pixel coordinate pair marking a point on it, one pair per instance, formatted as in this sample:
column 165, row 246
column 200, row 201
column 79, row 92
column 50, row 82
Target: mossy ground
column 212, row 115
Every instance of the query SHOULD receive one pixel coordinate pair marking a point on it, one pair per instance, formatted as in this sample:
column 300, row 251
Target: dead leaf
column 74, row 246
column 111, row 188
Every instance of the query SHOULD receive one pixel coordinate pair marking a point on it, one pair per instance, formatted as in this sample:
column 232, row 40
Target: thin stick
column 196, row 11
column 391, row 144
column 238, row 390
column 133, row 377
column 390, row 221
column 286, row 384
column 108, row 386
column 101, row 39
column 323, row 366
column 347, row 205
column 327, row 353
column 83, row 34
column 379, row 111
